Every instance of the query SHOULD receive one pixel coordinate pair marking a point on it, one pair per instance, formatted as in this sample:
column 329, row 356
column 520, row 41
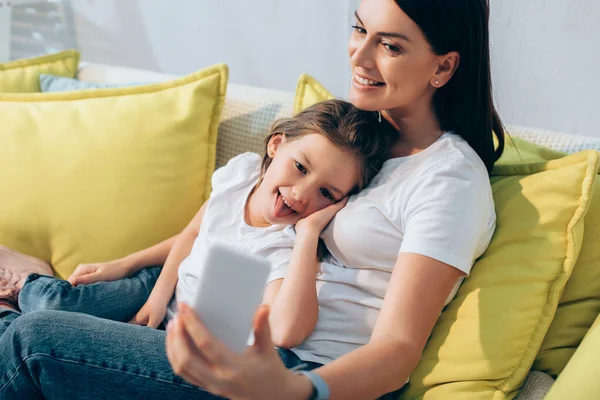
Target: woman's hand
column 206, row 362
column 151, row 314
column 85, row 274
column 316, row 222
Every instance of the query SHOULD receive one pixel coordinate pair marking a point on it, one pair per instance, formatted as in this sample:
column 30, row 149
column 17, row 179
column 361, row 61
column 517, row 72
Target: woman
column 396, row 255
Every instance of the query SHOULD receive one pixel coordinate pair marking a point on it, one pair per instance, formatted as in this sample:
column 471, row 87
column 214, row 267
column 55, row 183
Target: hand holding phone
column 230, row 289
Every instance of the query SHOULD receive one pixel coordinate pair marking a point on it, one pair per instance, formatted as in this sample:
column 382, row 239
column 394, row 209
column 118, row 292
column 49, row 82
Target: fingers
column 262, row 329
column 342, row 203
column 140, row 318
column 210, row 347
column 185, row 360
column 188, row 362
column 84, row 279
column 154, row 321
column 82, row 269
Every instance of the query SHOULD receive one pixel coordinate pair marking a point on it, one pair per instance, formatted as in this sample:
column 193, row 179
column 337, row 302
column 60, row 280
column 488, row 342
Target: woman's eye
column 391, row 48
column 300, row 168
column 327, row 194
column 360, row 30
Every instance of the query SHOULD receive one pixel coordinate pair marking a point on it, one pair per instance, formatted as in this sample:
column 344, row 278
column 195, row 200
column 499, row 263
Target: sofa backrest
column 249, row 112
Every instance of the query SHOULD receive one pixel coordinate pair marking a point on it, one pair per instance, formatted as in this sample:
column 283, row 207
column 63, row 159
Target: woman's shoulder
column 451, row 157
column 448, row 173
column 453, row 154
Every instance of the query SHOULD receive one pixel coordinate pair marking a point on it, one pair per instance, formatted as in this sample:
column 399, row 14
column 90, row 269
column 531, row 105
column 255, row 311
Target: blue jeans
column 64, row 355
column 116, row 300
column 48, row 353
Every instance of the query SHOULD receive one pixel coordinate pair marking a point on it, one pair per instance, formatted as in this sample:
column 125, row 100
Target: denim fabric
column 116, row 300
column 7, row 316
column 63, row 355
column 47, row 353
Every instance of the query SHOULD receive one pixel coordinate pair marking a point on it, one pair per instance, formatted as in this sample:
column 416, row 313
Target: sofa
column 246, row 116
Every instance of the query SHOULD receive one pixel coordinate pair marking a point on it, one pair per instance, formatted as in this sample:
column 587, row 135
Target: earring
column 436, row 83
column 379, row 116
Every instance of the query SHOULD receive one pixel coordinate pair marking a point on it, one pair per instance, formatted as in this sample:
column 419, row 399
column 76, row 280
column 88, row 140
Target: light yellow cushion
column 487, row 338
column 580, row 377
column 94, row 175
column 22, row 76
column 580, row 302
column 308, row 92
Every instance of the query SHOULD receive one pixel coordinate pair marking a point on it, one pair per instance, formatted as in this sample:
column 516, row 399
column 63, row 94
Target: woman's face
column 393, row 65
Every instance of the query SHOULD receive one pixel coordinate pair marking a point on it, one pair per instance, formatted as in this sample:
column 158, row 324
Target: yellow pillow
column 580, row 302
column 580, row 378
column 94, row 175
column 487, row 338
column 308, row 92
column 22, row 76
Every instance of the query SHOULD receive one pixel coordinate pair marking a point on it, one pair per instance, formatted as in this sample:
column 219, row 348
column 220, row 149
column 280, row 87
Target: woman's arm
column 418, row 290
column 415, row 298
column 293, row 300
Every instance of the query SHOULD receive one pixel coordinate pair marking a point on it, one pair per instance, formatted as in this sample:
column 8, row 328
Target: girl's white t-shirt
column 437, row 203
column 223, row 221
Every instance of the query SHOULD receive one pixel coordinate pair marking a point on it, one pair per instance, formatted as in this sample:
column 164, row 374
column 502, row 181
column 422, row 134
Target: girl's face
column 306, row 175
column 393, row 65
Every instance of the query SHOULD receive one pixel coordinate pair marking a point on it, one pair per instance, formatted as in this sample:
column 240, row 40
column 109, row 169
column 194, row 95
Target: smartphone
column 230, row 289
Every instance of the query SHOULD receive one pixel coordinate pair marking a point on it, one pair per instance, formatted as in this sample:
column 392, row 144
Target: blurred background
column 545, row 53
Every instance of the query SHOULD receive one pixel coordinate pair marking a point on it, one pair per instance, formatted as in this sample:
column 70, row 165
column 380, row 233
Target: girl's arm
column 153, row 312
column 293, row 300
column 86, row 274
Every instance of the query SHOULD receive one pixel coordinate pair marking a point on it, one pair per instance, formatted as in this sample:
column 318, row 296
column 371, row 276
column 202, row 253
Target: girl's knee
column 44, row 293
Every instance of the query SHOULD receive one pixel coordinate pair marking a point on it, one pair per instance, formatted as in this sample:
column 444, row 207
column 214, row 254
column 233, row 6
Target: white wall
column 267, row 43
column 545, row 53
column 546, row 63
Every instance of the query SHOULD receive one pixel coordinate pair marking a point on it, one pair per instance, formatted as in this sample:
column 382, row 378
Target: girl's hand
column 316, row 222
column 85, row 274
column 151, row 314
column 206, row 362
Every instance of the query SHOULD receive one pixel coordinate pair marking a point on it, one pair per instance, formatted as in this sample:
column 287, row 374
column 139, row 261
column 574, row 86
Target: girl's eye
column 327, row 194
column 390, row 48
column 300, row 168
column 360, row 30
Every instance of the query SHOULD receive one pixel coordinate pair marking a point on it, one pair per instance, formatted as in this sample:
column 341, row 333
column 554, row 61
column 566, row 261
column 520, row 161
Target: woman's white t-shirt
column 223, row 221
column 437, row 203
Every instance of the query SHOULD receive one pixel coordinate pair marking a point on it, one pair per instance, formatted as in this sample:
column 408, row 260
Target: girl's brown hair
column 363, row 134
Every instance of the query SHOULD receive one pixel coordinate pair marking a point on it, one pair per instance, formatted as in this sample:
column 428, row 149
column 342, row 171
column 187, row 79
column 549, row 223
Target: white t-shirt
column 223, row 220
column 437, row 203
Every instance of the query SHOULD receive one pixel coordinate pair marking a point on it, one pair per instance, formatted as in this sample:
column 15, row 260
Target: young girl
column 312, row 163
